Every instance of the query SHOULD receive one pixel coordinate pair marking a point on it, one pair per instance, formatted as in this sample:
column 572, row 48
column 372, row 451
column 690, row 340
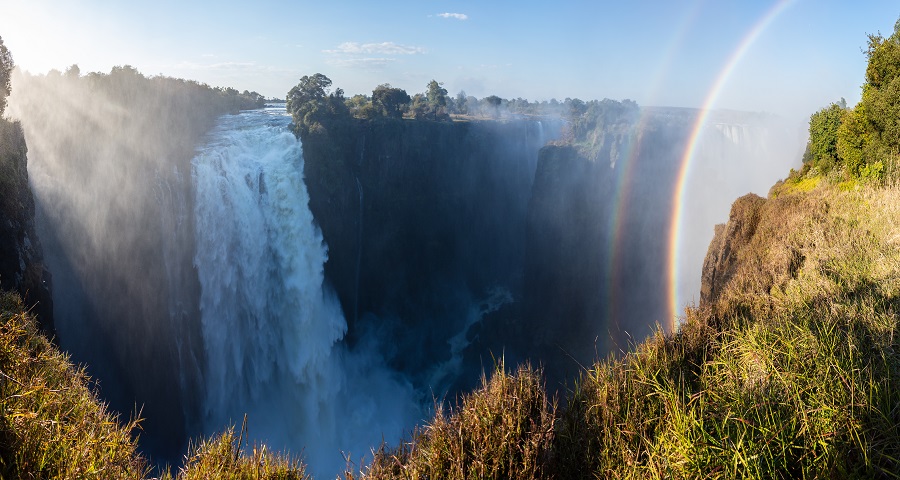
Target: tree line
column 862, row 142
column 313, row 104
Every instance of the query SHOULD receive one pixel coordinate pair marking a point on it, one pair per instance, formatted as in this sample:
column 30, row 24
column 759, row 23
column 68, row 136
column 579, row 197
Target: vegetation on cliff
column 53, row 424
column 862, row 142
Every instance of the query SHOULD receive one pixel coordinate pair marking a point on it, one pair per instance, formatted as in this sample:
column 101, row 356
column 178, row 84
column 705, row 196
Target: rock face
column 424, row 221
column 597, row 243
column 567, row 254
column 21, row 257
column 730, row 238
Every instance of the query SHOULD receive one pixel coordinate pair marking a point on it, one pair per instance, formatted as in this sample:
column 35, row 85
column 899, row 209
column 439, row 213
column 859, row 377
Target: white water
column 271, row 331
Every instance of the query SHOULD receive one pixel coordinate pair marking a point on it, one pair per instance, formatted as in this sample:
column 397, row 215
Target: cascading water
column 271, row 330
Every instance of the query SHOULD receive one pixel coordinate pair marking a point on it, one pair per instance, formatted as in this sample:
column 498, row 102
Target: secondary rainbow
column 686, row 159
column 624, row 174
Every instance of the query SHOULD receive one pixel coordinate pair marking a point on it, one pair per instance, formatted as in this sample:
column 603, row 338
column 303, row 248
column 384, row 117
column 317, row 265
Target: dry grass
column 502, row 430
column 793, row 371
column 52, row 425
column 221, row 457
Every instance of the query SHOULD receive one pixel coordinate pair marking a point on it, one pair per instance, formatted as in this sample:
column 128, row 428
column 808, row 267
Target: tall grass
column 504, row 429
column 793, row 372
column 51, row 424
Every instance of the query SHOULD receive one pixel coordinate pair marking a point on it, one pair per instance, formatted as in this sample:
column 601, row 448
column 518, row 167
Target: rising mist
column 332, row 289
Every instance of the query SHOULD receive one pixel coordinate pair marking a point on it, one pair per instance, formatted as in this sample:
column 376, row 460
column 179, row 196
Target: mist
column 208, row 265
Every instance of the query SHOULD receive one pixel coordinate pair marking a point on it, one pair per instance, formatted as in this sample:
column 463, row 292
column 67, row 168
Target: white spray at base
column 271, row 331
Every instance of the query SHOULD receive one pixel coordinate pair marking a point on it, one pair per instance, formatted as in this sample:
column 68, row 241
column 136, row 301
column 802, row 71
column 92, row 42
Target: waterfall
column 271, row 330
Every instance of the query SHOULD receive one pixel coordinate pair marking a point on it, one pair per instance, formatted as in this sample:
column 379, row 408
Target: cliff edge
column 21, row 257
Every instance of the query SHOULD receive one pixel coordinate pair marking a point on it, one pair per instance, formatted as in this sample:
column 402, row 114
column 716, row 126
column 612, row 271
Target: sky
column 665, row 53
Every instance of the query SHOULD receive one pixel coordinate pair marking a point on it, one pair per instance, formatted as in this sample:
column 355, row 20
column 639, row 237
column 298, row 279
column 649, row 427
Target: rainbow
column 625, row 172
column 686, row 159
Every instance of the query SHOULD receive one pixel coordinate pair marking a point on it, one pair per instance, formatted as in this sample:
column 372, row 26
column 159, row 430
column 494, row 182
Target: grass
column 792, row 372
column 502, row 430
column 51, row 424
column 222, row 457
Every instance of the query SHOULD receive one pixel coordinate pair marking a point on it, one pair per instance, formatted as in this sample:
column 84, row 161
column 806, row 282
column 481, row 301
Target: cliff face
column 597, row 243
column 566, row 239
column 423, row 220
column 721, row 261
column 21, row 257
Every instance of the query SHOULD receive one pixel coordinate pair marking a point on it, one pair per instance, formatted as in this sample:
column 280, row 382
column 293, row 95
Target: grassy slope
column 52, row 425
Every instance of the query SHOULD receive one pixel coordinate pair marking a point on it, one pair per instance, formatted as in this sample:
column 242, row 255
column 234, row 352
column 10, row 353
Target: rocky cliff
column 21, row 256
column 425, row 224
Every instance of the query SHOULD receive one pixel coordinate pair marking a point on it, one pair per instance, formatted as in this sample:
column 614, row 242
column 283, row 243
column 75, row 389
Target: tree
column 821, row 150
column 419, row 107
column 436, row 98
column 494, row 102
column 310, row 104
column 73, row 71
column 852, row 141
column 360, row 106
column 391, row 101
column 6, row 68
column 461, row 104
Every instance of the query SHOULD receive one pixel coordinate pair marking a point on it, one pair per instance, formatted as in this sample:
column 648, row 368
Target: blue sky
column 654, row 52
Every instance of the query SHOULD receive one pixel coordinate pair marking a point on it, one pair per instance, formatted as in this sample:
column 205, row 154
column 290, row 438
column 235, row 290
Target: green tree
column 6, row 68
column 391, row 101
column 361, row 106
column 852, row 140
column 821, row 150
column 436, row 99
column 311, row 105
column 418, row 107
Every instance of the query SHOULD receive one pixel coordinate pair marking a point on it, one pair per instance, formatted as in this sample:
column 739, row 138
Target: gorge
column 428, row 251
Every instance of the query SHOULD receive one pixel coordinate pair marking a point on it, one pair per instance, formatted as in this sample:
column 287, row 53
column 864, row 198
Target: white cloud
column 368, row 63
column 457, row 16
column 383, row 48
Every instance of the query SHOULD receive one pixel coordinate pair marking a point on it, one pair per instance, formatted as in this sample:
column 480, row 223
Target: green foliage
column 854, row 140
column 392, row 102
column 437, row 100
column 821, row 150
column 361, row 106
column 6, row 67
column 418, row 107
column 312, row 106
column 884, row 60
column 872, row 172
